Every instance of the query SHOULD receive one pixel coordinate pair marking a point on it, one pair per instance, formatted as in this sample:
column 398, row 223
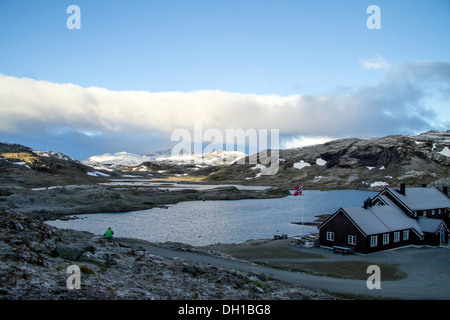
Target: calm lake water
column 208, row 222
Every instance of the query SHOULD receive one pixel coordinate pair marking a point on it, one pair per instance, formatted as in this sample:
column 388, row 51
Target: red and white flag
column 299, row 190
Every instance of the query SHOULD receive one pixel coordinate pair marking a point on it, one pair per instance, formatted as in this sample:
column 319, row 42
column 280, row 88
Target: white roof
column 382, row 218
column 429, row 224
column 366, row 220
column 422, row 198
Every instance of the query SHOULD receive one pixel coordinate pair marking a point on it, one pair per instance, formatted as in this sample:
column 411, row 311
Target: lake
column 201, row 223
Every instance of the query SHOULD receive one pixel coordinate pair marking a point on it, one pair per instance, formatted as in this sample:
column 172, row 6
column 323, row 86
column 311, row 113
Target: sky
column 136, row 71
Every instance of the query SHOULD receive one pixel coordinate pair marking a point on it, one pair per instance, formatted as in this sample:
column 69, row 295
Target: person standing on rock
column 109, row 234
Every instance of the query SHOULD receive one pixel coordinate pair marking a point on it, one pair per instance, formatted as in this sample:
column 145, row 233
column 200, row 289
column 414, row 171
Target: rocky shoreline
column 49, row 203
column 35, row 258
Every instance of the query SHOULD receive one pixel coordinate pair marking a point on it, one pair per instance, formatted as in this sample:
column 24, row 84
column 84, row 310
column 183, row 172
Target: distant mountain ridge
column 350, row 163
column 355, row 163
column 125, row 160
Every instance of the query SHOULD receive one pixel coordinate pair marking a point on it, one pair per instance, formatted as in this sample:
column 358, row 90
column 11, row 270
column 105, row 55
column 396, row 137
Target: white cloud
column 303, row 142
column 378, row 62
column 396, row 103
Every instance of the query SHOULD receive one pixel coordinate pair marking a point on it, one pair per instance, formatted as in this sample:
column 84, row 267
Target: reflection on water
column 230, row 221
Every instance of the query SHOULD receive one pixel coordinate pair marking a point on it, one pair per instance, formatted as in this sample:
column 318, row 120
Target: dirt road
column 427, row 269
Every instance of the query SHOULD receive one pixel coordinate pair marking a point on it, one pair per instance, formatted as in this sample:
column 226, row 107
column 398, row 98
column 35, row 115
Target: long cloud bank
column 398, row 103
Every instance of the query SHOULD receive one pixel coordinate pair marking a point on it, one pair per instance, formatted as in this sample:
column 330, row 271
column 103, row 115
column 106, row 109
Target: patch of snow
column 412, row 174
column 418, row 142
column 97, row 173
column 381, row 168
column 301, row 164
column 370, row 168
column 258, row 166
column 46, row 188
column 320, row 162
column 21, row 163
column 445, row 152
column 379, row 184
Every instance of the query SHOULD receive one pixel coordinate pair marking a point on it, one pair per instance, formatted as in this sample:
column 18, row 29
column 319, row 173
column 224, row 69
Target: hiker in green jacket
column 109, row 234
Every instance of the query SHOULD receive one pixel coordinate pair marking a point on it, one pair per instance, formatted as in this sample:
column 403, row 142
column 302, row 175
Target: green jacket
column 109, row 233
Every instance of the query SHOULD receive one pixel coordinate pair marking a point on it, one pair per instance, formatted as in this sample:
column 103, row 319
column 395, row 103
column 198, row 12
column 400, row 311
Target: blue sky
column 311, row 51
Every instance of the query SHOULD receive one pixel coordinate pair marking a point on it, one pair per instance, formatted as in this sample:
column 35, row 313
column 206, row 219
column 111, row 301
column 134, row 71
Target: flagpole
column 303, row 232
column 299, row 192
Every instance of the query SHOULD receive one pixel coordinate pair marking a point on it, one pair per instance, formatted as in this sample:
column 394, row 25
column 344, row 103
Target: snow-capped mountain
column 123, row 160
column 116, row 161
column 207, row 159
column 52, row 154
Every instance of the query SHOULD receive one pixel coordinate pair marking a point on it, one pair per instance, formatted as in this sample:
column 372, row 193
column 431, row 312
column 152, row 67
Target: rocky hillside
column 22, row 166
column 34, row 258
column 48, row 185
column 371, row 163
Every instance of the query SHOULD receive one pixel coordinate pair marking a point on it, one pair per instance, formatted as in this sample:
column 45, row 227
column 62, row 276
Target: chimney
column 403, row 189
column 424, row 185
column 367, row 203
column 445, row 190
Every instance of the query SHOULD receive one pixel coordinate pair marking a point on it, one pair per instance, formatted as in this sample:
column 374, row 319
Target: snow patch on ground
column 258, row 166
column 379, row 184
column 22, row 164
column 320, row 162
column 97, row 173
column 445, row 152
column 301, row 164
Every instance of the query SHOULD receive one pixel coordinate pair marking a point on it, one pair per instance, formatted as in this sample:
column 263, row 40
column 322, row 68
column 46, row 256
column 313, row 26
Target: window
column 397, row 236
column 330, row 236
column 433, row 212
column 373, row 241
column 406, row 235
column 386, row 238
column 352, row 240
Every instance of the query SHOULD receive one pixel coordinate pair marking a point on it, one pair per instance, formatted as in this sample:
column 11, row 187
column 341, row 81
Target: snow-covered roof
column 429, row 224
column 366, row 220
column 422, row 198
column 382, row 218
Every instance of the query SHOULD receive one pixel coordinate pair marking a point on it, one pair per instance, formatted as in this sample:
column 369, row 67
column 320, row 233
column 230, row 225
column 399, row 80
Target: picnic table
column 343, row 250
